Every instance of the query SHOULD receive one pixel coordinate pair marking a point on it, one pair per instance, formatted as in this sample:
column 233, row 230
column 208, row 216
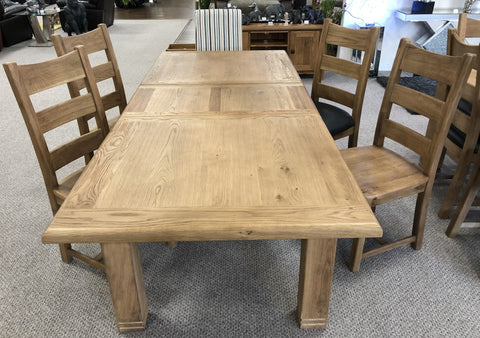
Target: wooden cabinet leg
column 125, row 277
column 316, row 272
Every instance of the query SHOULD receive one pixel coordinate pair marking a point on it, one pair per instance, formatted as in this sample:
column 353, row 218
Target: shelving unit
column 299, row 41
column 269, row 40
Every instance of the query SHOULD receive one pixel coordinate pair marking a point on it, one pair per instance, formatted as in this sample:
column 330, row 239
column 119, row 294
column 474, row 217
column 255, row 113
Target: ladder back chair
column 467, row 27
column 467, row 199
column 97, row 40
column 382, row 174
column 30, row 79
column 218, row 29
column 463, row 135
column 340, row 122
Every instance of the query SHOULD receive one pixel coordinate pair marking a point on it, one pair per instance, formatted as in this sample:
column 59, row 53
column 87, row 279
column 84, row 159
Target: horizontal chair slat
column 335, row 35
column 111, row 100
column 462, row 121
column 418, row 102
column 337, row 95
column 408, row 137
column 103, row 71
column 415, row 63
column 340, row 66
column 54, row 72
column 93, row 41
column 64, row 112
column 77, row 148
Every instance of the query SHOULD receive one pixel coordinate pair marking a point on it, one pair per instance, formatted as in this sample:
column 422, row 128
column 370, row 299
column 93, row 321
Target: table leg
column 316, row 272
column 125, row 277
column 40, row 39
column 47, row 26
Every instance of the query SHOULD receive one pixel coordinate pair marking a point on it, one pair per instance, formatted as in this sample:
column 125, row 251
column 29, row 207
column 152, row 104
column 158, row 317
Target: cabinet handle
column 292, row 51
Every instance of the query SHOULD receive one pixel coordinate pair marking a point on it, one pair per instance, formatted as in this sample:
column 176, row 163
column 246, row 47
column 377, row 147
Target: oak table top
column 216, row 146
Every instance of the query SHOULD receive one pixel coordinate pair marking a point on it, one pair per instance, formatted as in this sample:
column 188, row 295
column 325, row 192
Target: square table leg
column 315, row 283
column 127, row 287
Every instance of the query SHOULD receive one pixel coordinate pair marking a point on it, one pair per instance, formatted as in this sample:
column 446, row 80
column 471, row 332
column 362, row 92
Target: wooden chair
column 97, row 40
column 218, row 29
column 339, row 122
column 467, row 27
column 467, row 199
column 463, row 135
column 27, row 80
column 382, row 174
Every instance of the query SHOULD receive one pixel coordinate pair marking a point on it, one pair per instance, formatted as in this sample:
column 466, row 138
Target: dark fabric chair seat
column 336, row 119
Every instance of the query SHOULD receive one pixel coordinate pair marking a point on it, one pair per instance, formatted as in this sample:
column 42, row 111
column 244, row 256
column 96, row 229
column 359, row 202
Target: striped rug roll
column 218, row 29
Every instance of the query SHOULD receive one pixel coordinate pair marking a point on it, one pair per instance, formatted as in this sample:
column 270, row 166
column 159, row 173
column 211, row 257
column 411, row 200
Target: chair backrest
column 218, row 29
column 449, row 71
column 467, row 27
column 97, row 40
column 27, row 80
column 363, row 40
column 466, row 119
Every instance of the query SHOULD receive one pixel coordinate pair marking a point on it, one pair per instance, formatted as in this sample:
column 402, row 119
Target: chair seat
column 336, row 119
column 66, row 185
column 112, row 121
column 398, row 177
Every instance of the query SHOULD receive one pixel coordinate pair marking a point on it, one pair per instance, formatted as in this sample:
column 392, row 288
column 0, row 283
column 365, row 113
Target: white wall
column 395, row 29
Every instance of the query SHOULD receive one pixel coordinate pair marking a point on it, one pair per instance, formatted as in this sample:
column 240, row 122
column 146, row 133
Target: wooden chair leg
column 454, row 189
column 172, row 244
column 465, row 204
column 66, row 257
column 356, row 254
column 442, row 159
column 353, row 140
column 420, row 217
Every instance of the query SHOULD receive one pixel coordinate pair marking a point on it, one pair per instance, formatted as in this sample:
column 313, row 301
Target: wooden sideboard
column 298, row 40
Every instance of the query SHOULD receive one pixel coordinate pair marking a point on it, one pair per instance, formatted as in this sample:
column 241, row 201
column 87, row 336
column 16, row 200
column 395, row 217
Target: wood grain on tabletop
column 186, row 68
column 260, row 173
column 191, row 100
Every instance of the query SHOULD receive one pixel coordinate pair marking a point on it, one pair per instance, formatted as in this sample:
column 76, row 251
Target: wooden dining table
column 216, row 146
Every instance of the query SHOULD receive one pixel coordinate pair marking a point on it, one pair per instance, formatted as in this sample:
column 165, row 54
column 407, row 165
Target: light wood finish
column 181, row 46
column 383, row 175
column 177, row 169
column 468, row 124
column 363, row 40
column 261, row 67
column 212, row 100
column 467, row 27
column 128, row 294
column 470, row 192
column 303, row 50
column 205, row 170
column 298, row 40
column 27, row 80
column 97, row 40
column 317, row 261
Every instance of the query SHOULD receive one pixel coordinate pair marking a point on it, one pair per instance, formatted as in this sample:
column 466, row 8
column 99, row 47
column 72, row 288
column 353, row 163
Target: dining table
column 216, row 146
